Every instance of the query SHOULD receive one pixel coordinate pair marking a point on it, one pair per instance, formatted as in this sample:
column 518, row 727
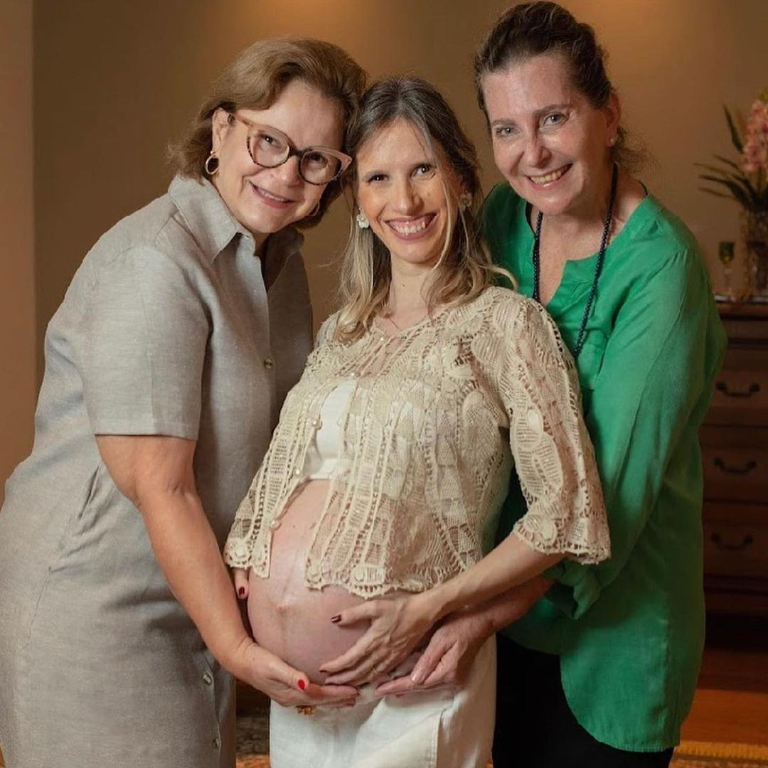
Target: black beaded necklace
column 598, row 265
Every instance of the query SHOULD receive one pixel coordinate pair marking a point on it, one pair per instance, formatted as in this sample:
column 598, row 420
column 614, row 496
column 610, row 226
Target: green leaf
column 735, row 137
column 718, row 194
column 725, row 160
column 744, row 184
column 725, row 174
column 761, row 183
column 743, row 196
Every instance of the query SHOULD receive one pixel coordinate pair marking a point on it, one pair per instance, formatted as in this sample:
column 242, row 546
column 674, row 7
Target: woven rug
column 701, row 754
column 690, row 754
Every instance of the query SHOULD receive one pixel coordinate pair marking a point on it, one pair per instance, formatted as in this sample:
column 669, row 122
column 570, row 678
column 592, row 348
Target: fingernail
column 336, row 619
column 303, row 685
column 241, row 592
column 418, row 679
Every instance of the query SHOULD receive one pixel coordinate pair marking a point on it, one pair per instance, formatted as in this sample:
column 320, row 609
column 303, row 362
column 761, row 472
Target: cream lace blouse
column 439, row 415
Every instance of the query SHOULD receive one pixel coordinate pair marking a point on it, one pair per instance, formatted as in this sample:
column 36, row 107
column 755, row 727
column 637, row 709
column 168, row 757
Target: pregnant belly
column 287, row 617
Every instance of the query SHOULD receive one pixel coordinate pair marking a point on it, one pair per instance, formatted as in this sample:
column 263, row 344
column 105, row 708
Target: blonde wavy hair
column 465, row 267
column 255, row 80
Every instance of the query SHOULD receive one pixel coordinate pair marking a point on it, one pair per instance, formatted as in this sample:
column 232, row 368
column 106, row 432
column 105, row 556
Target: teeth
column 410, row 229
column 546, row 178
column 273, row 197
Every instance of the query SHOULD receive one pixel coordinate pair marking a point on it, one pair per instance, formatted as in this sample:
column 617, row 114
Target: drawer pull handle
column 717, row 540
column 744, row 469
column 722, row 386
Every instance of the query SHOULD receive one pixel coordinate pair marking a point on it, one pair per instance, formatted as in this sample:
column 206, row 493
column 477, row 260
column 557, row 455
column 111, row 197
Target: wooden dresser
column 734, row 443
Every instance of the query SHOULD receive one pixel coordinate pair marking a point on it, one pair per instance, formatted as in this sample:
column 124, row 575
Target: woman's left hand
column 397, row 626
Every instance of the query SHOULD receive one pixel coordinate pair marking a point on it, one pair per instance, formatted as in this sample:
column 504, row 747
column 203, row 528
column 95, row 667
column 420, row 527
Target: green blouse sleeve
column 651, row 393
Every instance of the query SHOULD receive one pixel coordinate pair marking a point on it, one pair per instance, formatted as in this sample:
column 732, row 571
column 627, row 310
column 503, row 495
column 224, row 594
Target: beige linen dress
column 167, row 328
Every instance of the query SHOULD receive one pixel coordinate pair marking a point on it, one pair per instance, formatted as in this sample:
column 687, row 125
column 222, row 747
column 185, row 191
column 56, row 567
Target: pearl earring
column 465, row 200
column 362, row 222
column 611, row 141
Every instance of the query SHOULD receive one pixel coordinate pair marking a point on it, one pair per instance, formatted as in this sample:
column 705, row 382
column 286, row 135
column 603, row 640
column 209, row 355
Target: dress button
column 315, row 423
column 269, row 362
column 274, row 525
column 297, row 472
column 208, row 678
column 358, row 574
column 216, row 743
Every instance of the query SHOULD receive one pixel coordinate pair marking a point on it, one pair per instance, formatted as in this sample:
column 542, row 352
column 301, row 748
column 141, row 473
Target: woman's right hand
column 261, row 669
column 451, row 651
column 281, row 682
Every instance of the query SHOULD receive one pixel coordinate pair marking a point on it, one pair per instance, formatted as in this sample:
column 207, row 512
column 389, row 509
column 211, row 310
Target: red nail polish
column 302, row 685
column 336, row 619
column 241, row 592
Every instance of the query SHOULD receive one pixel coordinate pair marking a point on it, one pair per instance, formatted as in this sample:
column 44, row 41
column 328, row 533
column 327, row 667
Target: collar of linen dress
column 214, row 227
column 427, row 442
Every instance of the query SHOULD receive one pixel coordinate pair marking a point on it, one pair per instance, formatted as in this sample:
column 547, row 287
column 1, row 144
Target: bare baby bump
column 287, row 617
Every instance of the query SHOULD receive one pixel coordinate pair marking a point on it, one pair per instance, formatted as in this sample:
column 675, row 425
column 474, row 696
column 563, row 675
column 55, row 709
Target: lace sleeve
column 554, row 458
column 238, row 549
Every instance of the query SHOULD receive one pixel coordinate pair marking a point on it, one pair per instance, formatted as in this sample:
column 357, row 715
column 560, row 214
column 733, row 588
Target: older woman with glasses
column 166, row 366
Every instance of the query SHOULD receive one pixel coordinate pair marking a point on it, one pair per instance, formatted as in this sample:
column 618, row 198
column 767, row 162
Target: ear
column 612, row 114
column 220, row 127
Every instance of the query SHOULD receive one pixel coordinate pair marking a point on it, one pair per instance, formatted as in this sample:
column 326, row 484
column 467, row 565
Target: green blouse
column 630, row 631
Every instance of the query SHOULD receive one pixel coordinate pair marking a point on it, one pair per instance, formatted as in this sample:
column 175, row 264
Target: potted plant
column 746, row 182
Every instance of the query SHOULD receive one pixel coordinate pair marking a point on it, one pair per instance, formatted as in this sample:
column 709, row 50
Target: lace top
column 429, row 435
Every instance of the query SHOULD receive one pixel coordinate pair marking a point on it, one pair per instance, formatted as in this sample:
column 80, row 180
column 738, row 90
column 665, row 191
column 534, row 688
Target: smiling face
column 264, row 200
column 402, row 192
column 549, row 142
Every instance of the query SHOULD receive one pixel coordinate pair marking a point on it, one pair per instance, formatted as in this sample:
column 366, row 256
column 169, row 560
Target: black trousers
column 535, row 727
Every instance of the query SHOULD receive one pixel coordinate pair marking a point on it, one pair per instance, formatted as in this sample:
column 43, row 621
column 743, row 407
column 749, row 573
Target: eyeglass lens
column 270, row 149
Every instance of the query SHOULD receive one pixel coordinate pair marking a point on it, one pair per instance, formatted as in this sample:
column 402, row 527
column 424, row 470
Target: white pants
column 441, row 728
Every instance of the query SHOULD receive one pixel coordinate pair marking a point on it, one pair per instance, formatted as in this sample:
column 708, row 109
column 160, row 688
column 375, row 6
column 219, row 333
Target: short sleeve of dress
column 144, row 341
column 554, row 458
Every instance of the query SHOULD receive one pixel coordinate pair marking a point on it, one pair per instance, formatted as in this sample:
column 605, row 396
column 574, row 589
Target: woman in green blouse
column 602, row 670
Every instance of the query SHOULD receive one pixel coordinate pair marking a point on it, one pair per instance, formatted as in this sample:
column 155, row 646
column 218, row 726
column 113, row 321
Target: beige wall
column 115, row 81
column 17, row 308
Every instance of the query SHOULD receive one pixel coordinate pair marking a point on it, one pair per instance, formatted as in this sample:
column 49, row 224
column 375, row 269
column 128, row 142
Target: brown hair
column 465, row 268
column 533, row 29
column 255, row 79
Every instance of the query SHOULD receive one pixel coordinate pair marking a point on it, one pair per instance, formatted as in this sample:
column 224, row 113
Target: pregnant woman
column 380, row 492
